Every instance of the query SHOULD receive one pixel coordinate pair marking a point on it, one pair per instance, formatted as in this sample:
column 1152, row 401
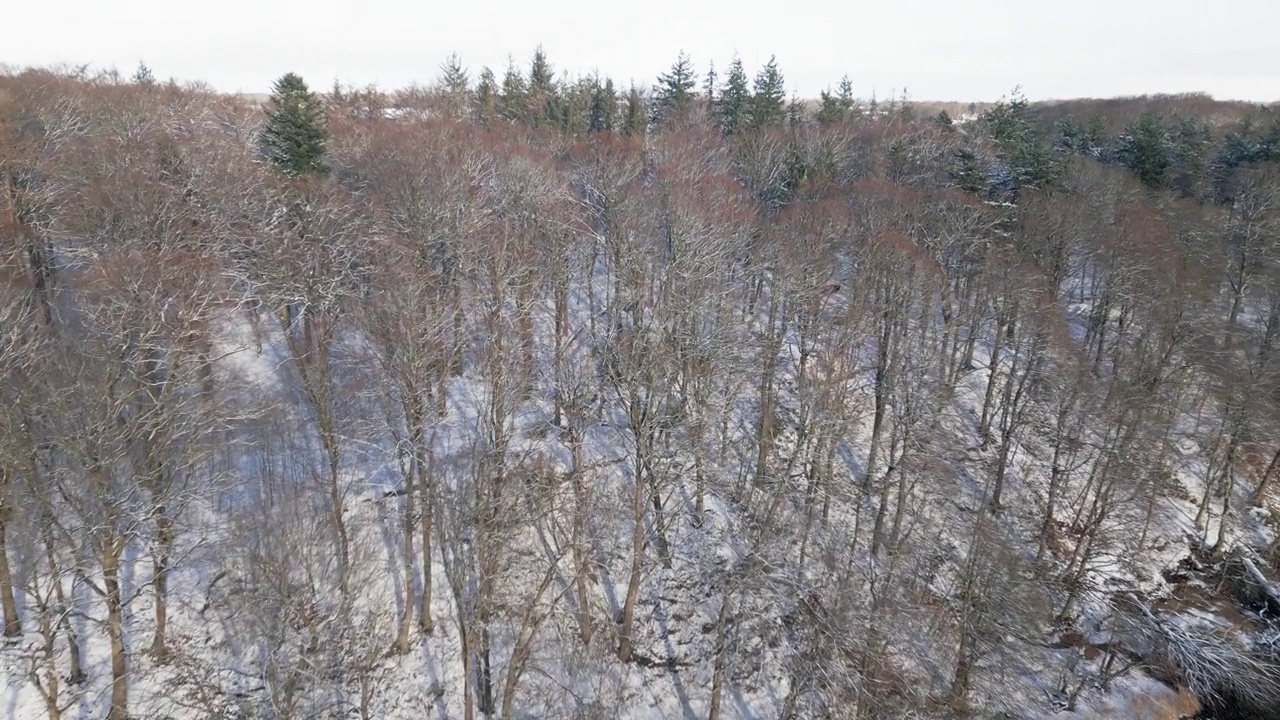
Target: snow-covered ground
column 222, row 639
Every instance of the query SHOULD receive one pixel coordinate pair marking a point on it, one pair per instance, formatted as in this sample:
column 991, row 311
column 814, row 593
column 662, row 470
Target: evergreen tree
column 795, row 111
column 674, row 91
column 143, row 75
column 768, row 97
column 709, row 85
column 828, row 109
column 1189, row 144
column 1144, row 149
column 1269, row 145
column 543, row 93
column 735, row 99
column 966, row 173
column 294, row 136
column 1021, row 142
column 838, row 107
column 513, row 100
column 634, row 120
column 845, row 99
column 1082, row 138
column 455, row 85
column 453, row 77
column 486, row 100
column 905, row 111
column 603, row 115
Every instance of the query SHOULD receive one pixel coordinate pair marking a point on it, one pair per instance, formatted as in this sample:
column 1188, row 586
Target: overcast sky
column 936, row 49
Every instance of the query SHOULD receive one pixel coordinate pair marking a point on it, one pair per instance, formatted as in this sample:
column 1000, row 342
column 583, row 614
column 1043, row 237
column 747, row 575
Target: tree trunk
column 486, row 672
column 111, row 552
column 12, row 625
column 426, row 623
column 960, row 681
column 718, row 669
column 468, row 671
column 581, row 565
column 1056, row 476
column 523, row 648
column 401, row 644
column 49, row 686
column 1267, row 478
column 984, row 422
column 337, row 503
column 627, row 620
column 164, row 537
column 881, row 403
column 561, row 327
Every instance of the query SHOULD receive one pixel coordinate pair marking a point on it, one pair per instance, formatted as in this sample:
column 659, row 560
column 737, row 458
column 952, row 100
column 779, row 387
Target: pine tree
column 486, row 101
column 837, row 107
column 543, row 93
column 573, row 105
column 455, row 85
column 143, row 75
column 294, row 136
column 845, row 98
column 1022, row 144
column 603, row 115
column 965, row 172
column 768, row 97
column 634, row 120
column 1188, row 155
column 735, row 99
column 674, row 92
column 829, row 112
column 1144, row 149
column 795, row 111
column 513, row 102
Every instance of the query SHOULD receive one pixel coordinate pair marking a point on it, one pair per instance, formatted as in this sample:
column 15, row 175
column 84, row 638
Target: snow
column 679, row 601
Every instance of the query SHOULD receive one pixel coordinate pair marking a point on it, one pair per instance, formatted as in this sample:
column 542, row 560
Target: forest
column 522, row 395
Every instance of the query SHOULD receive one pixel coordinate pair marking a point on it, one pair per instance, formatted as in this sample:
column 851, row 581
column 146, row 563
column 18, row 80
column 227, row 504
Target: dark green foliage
column 486, row 98
column 795, row 111
column 1144, row 149
column 734, row 105
column 768, row 97
column 943, row 120
column 603, row 114
column 674, row 91
column 294, row 137
column 513, row 102
column 143, row 75
column 1189, row 147
column 455, row 86
column 543, row 91
column 573, row 106
column 1088, row 138
column 1244, row 145
column 966, row 173
column 453, row 77
column 838, row 107
column 899, row 158
column 1021, row 142
column 634, row 119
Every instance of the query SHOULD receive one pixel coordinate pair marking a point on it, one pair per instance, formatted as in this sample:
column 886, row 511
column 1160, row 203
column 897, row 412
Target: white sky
column 936, row 49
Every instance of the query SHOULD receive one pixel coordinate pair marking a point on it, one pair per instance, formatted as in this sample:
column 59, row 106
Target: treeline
column 926, row 376
column 732, row 101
